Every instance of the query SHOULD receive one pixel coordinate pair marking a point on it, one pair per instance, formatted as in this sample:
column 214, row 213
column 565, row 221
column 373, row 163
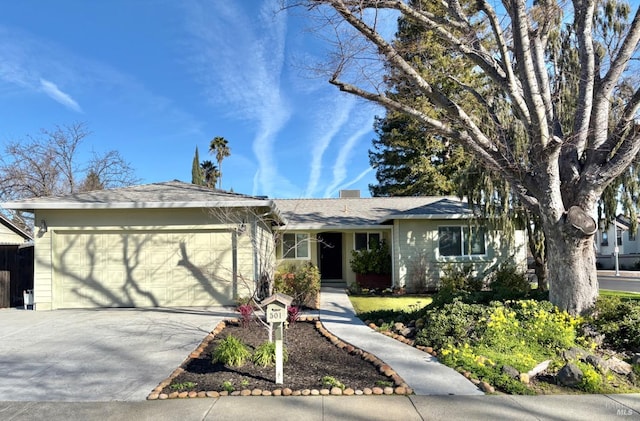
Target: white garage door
column 142, row 269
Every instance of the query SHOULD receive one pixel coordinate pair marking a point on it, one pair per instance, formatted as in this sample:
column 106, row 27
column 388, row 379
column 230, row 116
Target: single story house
column 176, row 244
column 617, row 234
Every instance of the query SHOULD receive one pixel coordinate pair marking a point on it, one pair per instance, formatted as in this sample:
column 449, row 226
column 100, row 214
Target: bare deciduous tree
column 569, row 154
column 49, row 164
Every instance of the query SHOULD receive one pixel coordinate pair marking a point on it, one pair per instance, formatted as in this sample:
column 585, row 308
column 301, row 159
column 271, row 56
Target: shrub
column 329, row 381
column 619, row 321
column 509, row 283
column 456, row 283
column 232, row 352
column 293, row 312
column 246, row 313
column 452, row 323
column 265, row 354
column 375, row 260
column 300, row 282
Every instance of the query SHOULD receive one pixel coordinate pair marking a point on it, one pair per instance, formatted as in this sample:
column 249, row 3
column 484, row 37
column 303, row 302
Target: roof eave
column 428, row 216
column 138, row 205
column 325, row 227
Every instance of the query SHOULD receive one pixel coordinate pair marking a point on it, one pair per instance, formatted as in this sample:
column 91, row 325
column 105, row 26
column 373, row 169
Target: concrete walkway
column 312, row 408
column 422, row 372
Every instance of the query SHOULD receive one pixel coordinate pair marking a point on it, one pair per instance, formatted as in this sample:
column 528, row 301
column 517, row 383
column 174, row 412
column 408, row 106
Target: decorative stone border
column 400, row 386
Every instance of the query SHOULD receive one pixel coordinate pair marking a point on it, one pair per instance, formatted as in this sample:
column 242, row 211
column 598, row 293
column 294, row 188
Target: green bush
column 456, row 283
column 452, row 323
column 300, row 282
column 265, row 354
column 619, row 321
column 232, row 352
column 375, row 260
column 509, row 283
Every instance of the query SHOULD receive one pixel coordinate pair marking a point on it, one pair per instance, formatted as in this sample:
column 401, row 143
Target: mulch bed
column 311, row 356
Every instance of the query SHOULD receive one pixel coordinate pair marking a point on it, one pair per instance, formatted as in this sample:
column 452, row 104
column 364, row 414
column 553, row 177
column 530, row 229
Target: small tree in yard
column 554, row 115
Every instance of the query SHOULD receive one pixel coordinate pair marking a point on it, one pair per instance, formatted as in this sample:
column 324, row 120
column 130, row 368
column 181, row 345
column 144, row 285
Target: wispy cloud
column 238, row 60
column 331, row 121
column 52, row 90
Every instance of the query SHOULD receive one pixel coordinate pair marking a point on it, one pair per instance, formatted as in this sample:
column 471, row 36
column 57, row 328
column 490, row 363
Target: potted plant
column 372, row 266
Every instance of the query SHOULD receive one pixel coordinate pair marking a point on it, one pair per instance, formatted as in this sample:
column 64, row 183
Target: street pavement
column 628, row 281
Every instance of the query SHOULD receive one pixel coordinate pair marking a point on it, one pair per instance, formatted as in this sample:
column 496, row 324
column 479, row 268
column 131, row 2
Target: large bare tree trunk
column 573, row 280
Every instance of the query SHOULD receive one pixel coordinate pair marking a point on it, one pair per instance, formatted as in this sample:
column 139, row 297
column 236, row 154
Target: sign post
column 276, row 316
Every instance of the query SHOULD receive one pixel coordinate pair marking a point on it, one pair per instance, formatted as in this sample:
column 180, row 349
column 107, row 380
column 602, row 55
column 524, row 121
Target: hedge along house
column 158, row 245
column 424, row 234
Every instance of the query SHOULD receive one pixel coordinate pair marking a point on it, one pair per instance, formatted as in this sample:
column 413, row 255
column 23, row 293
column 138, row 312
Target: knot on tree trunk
column 581, row 221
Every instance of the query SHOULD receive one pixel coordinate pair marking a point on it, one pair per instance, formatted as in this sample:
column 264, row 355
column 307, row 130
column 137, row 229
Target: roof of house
column 171, row 194
column 345, row 212
column 367, row 212
column 14, row 228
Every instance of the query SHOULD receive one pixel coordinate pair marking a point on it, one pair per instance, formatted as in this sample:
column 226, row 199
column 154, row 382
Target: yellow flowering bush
column 520, row 334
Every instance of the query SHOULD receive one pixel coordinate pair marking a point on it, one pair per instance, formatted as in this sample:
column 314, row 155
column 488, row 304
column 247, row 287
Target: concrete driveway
column 96, row 355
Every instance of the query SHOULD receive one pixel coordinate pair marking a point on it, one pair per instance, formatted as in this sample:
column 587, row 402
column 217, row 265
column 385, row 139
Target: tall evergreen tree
column 197, row 177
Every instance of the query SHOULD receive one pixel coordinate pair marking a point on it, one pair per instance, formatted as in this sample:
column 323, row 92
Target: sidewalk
column 311, row 408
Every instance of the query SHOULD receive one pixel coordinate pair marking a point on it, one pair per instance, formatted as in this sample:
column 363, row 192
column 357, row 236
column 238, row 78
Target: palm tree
column 210, row 173
column 220, row 147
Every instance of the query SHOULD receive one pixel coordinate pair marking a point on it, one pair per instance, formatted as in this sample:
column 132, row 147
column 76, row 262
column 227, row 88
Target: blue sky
column 153, row 79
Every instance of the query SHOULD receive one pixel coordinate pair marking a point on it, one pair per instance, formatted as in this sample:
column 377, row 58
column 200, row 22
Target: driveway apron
column 96, row 355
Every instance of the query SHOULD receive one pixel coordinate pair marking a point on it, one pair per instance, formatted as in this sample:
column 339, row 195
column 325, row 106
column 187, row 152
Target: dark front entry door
column 330, row 255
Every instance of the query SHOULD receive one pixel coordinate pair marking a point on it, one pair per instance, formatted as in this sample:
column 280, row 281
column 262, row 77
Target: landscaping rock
column 315, row 392
column 510, row 371
column 336, row 391
column 597, row 363
column 256, row 392
column 388, row 390
column 286, row 391
column 245, row 392
column 348, row 391
column 367, row 391
column 408, row 332
column 324, row 392
column 635, row 358
column 539, row 368
column 266, row 393
column 573, row 354
column 569, row 375
column 277, row 392
column 212, row 394
column 377, row 390
column 618, row 366
column 398, row 327
column 487, row 388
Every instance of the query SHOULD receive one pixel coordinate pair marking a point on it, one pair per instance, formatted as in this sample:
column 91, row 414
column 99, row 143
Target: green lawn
column 621, row 294
column 364, row 304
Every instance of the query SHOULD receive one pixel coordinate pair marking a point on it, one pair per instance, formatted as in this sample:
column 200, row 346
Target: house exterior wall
column 135, row 221
column 8, row 236
column 418, row 264
column 628, row 247
column 348, row 244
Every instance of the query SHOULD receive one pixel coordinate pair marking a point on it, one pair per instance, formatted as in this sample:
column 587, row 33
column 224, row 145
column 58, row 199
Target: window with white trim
column 461, row 241
column 366, row 240
column 295, row 246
